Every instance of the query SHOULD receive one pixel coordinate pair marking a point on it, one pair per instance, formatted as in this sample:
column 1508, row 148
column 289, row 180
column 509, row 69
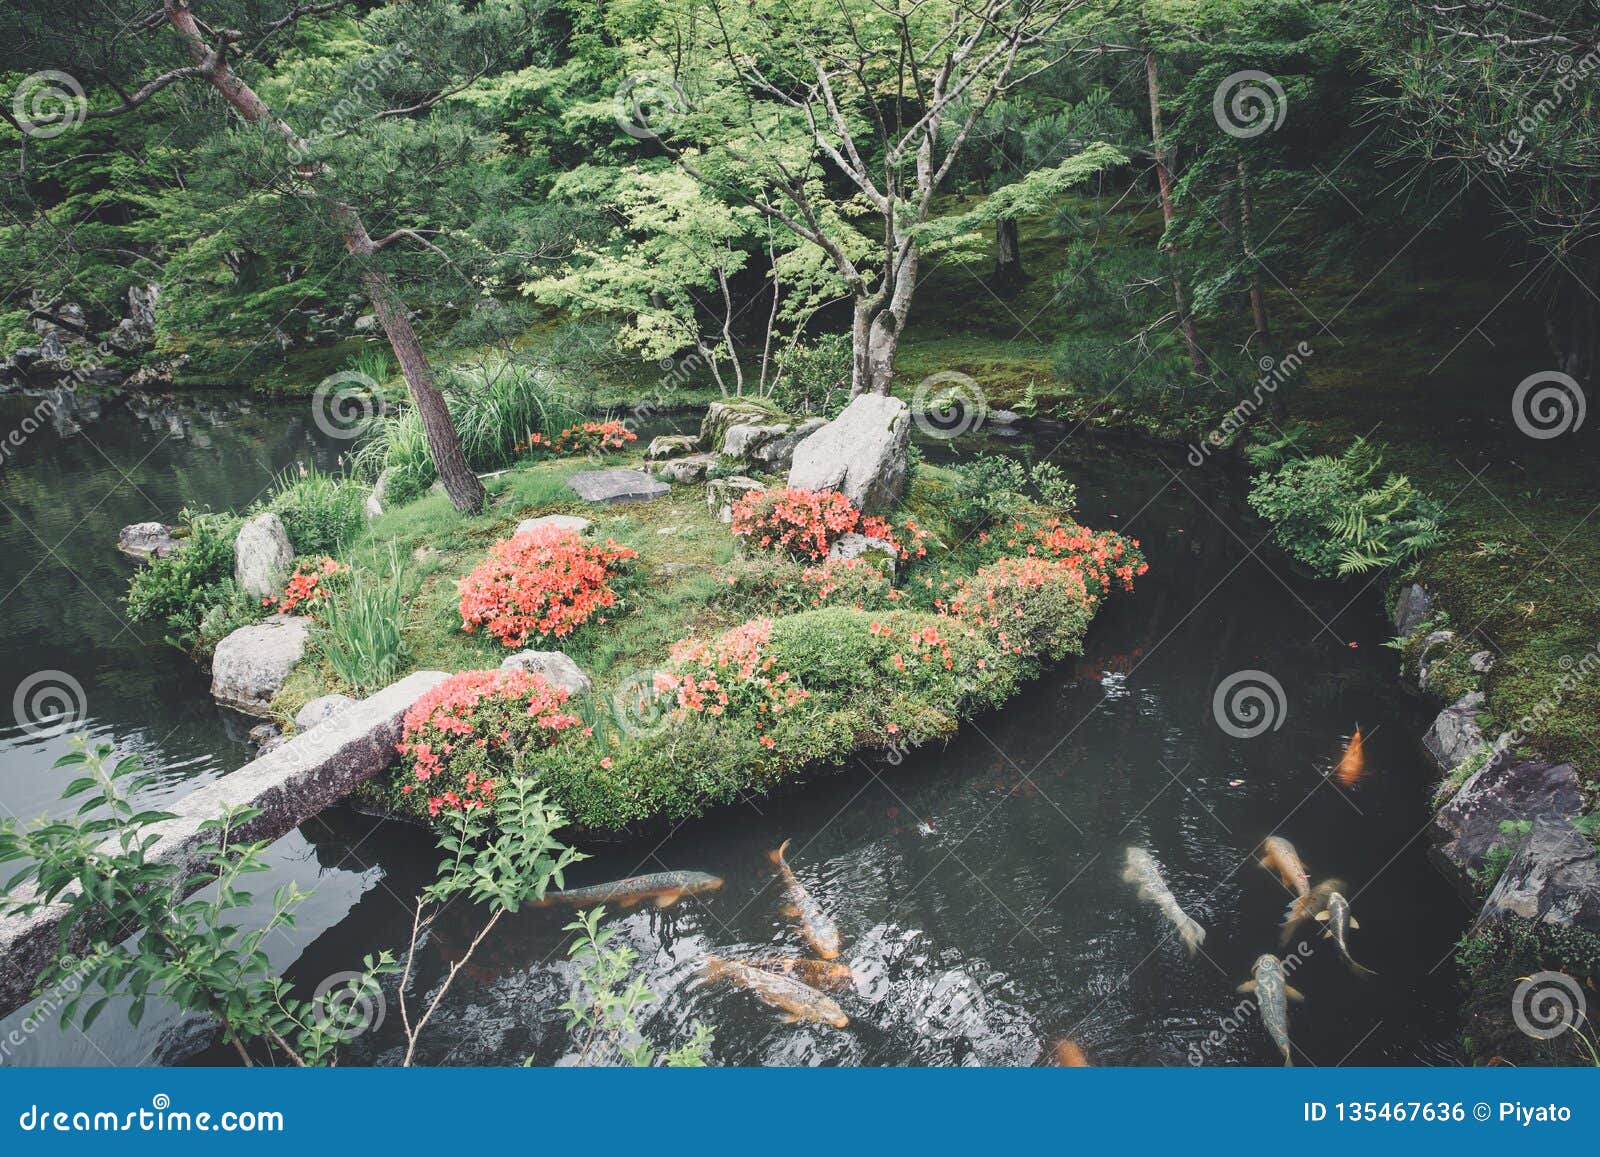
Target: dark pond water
column 978, row 887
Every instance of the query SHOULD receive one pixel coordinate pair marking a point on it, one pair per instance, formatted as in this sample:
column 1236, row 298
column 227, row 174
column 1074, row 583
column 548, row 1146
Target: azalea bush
column 1106, row 560
column 591, row 438
column 545, row 583
column 784, row 585
column 475, row 729
column 308, row 587
column 1028, row 606
column 802, row 523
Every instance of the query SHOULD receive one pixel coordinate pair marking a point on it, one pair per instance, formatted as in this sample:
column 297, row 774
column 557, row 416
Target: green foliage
column 398, row 444
column 190, row 951
column 1495, row 860
column 359, row 625
column 604, row 1010
column 498, row 404
column 180, row 592
column 321, row 512
column 993, row 487
column 1327, row 513
column 816, row 376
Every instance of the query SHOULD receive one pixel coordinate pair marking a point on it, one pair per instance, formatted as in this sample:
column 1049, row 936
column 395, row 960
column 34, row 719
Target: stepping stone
column 617, row 485
column 564, row 521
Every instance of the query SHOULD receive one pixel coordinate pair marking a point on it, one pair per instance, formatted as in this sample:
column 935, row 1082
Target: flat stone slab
column 564, row 521
column 290, row 785
column 320, row 710
column 617, row 485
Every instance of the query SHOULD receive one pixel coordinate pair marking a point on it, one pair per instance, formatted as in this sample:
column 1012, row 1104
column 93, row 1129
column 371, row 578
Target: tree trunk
column 460, row 483
column 1258, row 302
column 874, row 340
column 1197, row 359
column 1008, row 272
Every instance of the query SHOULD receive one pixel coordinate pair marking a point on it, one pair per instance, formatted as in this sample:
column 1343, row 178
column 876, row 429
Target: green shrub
column 1098, row 367
column 397, row 444
column 177, row 592
column 322, row 512
column 1326, row 513
column 993, row 487
column 498, row 405
column 816, row 377
column 359, row 624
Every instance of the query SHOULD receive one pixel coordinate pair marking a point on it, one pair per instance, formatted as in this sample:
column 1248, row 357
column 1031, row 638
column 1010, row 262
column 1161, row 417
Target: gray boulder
column 742, row 441
column 694, row 468
column 617, row 485
column 1507, row 788
column 380, row 493
column 1482, row 661
column 1431, row 652
column 1554, row 878
column 557, row 668
column 777, row 455
column 862, row 454
column 264, row 733
column 720, row 415
column 877, row 551
column 250, row 665
column 319, row 710
column 722, row 493
column 564, row 521
column 1412, row 609
column 1455, row 733
column 146, row 540
column 664, row 446
column 261, row 556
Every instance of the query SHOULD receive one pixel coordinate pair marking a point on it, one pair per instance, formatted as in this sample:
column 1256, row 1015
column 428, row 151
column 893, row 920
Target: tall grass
column 496, row 407
column 321, row 511
column 360, row 631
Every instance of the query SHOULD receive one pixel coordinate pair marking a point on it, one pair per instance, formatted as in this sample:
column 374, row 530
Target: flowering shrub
column 1028, row 605
column 546, row 582
column 585, row 438
column 731, row 673
column 803, row 523
column 474, row 728
column 1105, row 559
column 307, row 587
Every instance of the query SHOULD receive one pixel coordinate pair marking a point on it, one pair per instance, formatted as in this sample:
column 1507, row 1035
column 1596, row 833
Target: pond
column 978, row 887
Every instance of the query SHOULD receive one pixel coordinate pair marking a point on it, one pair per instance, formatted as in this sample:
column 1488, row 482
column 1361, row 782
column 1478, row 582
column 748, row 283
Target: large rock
column 722, row 493
column 617, row 485
column 146, row 540
column 743, row 440
column 250, row 665
column 261, row 556
column 287, row 787
column 1505, row 789
column 564, row 521
column 1554, row 878
column 1455, row 733
column 320, row 710
column 664, row 446
column 720, row 415
column 862, row 454
column 557, row 668
column 1412, row 609
column 694, row 468
column 777, row 455
column 1434, row 648
column 879, row 552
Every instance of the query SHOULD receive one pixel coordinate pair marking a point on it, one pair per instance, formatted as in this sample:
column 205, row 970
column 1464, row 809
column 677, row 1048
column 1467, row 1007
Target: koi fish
column 829, row 975
column 1070, row 1056
column 1273, row 993
column 1303, row 908
column 819, row 931
column 1143, row 870
column 664, row 888
column 1352, row 764
column 798, row 1002
column 1337, row 922
column 1278, row 855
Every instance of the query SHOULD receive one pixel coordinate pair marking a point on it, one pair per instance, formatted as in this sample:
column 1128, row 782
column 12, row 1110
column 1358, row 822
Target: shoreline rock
column 863, row 454
column 251, row 664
